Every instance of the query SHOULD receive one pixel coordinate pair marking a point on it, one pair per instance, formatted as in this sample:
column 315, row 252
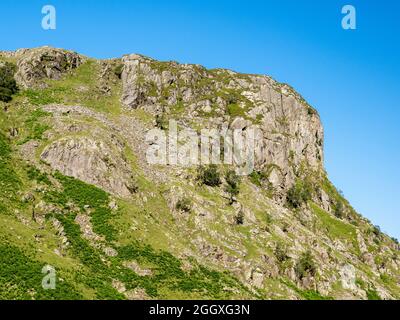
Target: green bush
column 281, row 252
column 372, row 294
column 233, row 181
column 161, row 121
column 239, row 218
column 35, row 174
column 184, row 205
column 118, row 70
column 235, row 110
column 268, row 218
column 306, row 265
column 376, row 230
column 340, row 210
column 5, row 150
column 258, row 177
column 299, row 194
column 8, row 85
column 209, row 175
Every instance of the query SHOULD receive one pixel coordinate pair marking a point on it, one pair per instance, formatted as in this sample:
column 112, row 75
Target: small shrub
column 209, row 176
column 235, row 110
column 257, row 177
column 118, row 70
column 268, row 218
column 372, row 294
column 5, row 149
column 285, row 227
column 184, row 205
column 307, row 294
column 232, row 99
column 376, row 231
column 340, row 210
column 233, row 181
column 239, row 219
column 161, row 121
column 281, row 252
column 311, row 111
column 386, row 278
column 298, row 194
column 35, row 174
column 306, row 265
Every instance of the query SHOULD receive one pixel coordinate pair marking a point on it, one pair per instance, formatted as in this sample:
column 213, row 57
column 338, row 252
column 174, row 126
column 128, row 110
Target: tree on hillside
column 8, row 85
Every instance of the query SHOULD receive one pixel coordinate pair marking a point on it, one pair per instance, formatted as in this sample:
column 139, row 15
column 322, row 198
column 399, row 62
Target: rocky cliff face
column 292, row 133
column 76, row 135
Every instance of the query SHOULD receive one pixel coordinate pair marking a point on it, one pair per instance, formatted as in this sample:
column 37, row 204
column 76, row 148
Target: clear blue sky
column 350, row 77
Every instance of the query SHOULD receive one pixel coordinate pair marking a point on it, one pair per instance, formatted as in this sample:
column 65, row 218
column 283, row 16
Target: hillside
column 78, row 193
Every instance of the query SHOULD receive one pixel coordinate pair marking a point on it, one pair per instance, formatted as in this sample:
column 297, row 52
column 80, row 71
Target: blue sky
column 350, row 76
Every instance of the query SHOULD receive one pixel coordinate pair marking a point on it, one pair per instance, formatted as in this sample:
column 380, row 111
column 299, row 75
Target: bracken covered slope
column 77, row 193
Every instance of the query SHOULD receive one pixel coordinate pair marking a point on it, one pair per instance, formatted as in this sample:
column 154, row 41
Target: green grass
column 34, row 126
column 372, row 294
column 38, row 97
column 306, row 294
column 336, row 228
column 234, row 110
column 98, row 275
column 83, row 194
column 37, row 175
column 21, row 278
column 69, row 91
column 168, row 273
column 10, row 182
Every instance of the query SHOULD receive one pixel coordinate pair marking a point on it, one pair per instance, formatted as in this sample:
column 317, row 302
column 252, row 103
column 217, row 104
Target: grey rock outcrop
column 291, row 131
column 91, row 161
column 42, row 63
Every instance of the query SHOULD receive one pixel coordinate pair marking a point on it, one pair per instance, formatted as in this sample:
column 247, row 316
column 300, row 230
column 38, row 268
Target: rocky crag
column 78, row 194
